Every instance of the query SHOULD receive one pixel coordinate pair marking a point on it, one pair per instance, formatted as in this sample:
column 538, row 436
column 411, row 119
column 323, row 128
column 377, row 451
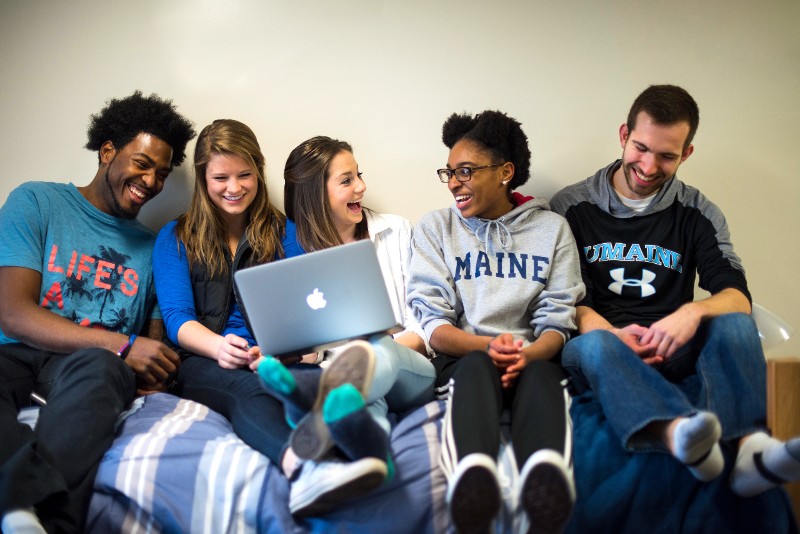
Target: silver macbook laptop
column 314, row 301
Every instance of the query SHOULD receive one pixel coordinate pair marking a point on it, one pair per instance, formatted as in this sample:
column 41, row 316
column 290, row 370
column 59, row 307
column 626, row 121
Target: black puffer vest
column 213, row 295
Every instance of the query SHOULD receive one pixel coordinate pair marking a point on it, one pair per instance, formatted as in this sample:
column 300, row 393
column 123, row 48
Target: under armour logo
column 620, row 281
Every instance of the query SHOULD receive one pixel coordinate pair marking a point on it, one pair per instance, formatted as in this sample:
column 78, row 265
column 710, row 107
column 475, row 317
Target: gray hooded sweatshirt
column 518, row 273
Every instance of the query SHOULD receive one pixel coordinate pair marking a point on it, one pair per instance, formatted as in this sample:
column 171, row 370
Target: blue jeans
column 721, row 370
column 403, row 379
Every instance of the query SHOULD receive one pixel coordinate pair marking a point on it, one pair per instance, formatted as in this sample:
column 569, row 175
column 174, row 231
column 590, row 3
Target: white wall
column 384, row 75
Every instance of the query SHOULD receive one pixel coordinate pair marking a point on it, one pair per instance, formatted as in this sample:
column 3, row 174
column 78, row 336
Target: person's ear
column 623, row 134
column 687, row 152
column 107, row 152
column 507, row 172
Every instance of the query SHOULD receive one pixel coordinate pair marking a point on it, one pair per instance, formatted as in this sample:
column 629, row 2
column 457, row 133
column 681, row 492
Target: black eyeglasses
column 462, row 174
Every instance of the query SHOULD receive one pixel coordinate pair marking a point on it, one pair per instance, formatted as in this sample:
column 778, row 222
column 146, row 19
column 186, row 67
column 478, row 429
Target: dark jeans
column 256, row 416
column 53, row 467
column 539, row 405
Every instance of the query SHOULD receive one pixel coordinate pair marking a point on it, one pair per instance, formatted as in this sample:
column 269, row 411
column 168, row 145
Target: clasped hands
column 507, row 355
column 658, row 342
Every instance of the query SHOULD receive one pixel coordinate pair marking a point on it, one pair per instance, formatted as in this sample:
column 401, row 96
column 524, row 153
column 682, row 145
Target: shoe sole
column 319, row 502
column 547, row 498
column 311, row 439
column 475, row 501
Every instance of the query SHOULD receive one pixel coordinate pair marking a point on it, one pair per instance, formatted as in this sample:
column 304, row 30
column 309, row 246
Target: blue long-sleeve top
column 174, row 284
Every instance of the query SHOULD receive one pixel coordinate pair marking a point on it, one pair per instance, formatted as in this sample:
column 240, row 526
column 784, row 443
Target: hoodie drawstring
column 502, row 233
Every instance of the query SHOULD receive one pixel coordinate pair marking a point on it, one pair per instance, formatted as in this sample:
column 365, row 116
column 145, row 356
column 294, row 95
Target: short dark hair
column 667, row 105
column 125, row 118
column 496, row 132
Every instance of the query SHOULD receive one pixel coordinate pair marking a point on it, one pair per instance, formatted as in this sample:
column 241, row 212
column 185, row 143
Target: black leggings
column 538, row 402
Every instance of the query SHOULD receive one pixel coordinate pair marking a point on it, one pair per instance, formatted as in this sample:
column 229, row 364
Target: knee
column 475, row 367
column 734, row 328
column 542, row 370
column 475, row 371
column 588, row 347
column 94, row 360
column 100, row 365
column 476, row 361
column 735, row 321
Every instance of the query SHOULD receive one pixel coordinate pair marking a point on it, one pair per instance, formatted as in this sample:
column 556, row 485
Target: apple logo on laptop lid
column 316, row 300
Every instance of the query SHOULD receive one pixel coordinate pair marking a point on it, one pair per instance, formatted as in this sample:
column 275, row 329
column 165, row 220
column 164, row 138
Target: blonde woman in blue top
column 231, row 224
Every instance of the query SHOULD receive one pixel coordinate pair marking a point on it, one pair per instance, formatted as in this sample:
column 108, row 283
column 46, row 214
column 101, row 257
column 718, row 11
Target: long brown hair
column 305, row 193
column 202, row 230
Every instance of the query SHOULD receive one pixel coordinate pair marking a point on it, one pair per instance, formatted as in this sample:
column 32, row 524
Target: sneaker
column 546, row 491
column 320, row 486
column 22, row 521
column 355, row 365
column 473, row 494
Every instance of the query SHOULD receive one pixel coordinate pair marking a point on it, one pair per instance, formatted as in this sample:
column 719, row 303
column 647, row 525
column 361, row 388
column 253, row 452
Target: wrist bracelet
column 126, row 348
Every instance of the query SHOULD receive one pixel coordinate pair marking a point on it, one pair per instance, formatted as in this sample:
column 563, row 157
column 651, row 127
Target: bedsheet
column 176, row 466
column 622, row 492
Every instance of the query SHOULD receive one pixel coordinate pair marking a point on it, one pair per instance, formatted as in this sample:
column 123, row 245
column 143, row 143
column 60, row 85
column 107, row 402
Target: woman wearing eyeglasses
column 494, row 279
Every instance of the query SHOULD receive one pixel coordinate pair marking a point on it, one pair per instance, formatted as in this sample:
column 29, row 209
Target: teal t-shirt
column 96, row 269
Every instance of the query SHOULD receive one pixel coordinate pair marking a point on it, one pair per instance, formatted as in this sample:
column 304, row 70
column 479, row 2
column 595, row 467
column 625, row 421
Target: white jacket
column 391, row 235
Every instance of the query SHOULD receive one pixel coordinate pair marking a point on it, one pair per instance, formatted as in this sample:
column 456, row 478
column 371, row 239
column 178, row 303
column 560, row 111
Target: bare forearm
column 155, row 330
column 198, row 339
column 22, row 318
column 43, row 329
column 588, row 320
column 545, row 347
column 453, row 341
column 726, row 301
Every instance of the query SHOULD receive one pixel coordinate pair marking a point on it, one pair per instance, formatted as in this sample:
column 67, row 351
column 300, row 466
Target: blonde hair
column 201, row 228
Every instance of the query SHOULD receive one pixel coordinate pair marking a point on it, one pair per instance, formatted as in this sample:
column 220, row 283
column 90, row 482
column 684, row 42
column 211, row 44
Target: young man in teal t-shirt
column 79, row 324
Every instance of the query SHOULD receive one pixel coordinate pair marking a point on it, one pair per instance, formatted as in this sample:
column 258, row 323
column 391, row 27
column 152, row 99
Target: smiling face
column 485, row 195
column 651, row 156
column 232, row 185
column 133, row 175
column 345, row 191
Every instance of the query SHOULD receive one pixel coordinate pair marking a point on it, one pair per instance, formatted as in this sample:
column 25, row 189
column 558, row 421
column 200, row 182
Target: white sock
column 21, row 522
column 695, row 443
column 764, row 462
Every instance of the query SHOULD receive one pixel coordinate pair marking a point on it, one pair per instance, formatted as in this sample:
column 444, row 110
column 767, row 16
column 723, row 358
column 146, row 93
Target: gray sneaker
column 320, row 486
column 355, row 365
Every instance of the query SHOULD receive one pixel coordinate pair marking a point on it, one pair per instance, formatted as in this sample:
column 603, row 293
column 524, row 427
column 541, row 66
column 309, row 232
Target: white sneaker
column 473, row 494
column 21, row 521
column 546, row 491
column 320, row 486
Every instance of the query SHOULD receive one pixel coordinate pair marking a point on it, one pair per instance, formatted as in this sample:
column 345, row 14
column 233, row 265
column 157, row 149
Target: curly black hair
column 123, row 119
column 496, row 132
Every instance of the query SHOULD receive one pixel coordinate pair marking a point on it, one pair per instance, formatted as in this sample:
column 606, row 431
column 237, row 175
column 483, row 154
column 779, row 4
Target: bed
column 176, row 466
